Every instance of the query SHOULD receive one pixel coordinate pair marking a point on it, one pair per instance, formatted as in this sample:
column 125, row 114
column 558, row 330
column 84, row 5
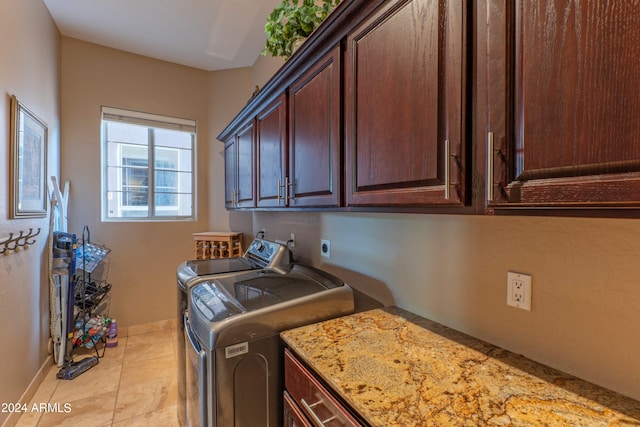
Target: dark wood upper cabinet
column 298, row 148
column 230, row 174
column 271, row 144
column 563, row 104
column 404, row 105
column 490, row 106
column 314, row 135
column 238, row 169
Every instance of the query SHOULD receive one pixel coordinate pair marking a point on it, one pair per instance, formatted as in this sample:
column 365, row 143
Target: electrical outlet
column 325, row 248
column 519, row 290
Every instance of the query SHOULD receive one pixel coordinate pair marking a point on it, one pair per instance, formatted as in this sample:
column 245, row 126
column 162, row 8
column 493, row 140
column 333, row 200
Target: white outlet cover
column 519, row 290
column 325, row 248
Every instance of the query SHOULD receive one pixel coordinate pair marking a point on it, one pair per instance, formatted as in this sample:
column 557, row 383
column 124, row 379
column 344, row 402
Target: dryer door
column 249, row 386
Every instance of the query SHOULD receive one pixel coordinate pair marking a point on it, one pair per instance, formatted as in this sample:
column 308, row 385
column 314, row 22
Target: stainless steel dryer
column 234, row 351
column 261, row 254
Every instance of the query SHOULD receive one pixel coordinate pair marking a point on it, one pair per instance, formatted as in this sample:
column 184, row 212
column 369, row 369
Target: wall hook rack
column 14, row 243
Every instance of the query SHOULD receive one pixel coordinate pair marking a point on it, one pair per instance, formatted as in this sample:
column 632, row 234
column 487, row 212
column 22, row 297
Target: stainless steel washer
column 261, row 254
column 234, row 351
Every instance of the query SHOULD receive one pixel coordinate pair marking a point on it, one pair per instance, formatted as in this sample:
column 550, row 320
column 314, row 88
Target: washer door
column 248, row 383
column 196, row 370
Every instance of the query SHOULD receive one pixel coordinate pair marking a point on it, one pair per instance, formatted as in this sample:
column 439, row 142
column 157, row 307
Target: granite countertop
column 398, row 369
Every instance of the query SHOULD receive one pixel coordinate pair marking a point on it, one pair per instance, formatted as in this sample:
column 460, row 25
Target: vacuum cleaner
column 72, row 369
column 64, row 247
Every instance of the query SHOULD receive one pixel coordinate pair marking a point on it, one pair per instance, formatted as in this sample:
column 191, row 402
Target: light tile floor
column 134, row 384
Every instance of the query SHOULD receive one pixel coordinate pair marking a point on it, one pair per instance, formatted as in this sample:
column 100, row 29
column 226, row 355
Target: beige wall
column 452, row 269
column 229, row 92
column 40, row 67
column 29, row 48
column 144, row 255
column 264, row 68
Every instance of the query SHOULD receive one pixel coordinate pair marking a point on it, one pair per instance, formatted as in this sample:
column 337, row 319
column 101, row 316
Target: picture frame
column 28, row 163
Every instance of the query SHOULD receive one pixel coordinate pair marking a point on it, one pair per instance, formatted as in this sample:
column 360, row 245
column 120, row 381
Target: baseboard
column 28, row 394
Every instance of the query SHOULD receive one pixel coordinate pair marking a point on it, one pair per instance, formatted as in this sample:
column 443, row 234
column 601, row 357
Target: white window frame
column 110, row 114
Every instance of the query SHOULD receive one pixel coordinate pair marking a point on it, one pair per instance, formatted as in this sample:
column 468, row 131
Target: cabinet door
column 404, row 105
column 271, row 134
column 245, row 194
column 563, row 103
column 314, row 134
column 230, row 174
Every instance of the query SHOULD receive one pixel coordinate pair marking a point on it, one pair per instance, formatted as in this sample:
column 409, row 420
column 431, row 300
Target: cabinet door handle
column 490, row 167
column 288, row 191
column 316, row 420
column 279, row 187
column 447, row 169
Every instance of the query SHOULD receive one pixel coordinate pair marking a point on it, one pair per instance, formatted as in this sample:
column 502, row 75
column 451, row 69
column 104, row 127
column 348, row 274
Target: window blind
column 147, row 119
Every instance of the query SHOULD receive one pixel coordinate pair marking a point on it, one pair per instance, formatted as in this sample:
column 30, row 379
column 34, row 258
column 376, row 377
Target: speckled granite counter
column 398, row 369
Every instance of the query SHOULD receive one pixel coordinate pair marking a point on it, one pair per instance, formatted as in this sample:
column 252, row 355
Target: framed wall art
column 28, row 162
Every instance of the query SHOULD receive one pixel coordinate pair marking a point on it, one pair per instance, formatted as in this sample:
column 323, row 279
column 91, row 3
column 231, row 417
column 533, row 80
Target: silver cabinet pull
column 288, row 190
column 316, row 420
column 490, row 154
column 447, row 169
column 285, row 186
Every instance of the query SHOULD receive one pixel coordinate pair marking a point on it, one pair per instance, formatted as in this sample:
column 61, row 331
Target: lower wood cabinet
column 307, row 402
column 293, row 416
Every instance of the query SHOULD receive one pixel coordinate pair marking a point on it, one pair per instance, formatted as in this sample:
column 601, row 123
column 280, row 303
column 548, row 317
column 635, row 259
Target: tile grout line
column 124, row 355
column 53, row 391
column 170, row 332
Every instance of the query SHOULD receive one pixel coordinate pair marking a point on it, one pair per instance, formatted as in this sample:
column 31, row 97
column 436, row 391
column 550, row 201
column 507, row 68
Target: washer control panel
column 268, row 253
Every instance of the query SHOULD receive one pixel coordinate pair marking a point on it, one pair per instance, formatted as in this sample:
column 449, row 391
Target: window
column 147, row 167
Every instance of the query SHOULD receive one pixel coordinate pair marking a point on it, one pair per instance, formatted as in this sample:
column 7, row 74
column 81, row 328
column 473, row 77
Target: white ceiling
column 205, row 34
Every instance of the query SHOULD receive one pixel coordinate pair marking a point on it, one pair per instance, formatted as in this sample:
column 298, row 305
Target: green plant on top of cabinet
column 293, row 21
column 563, row 104
column 239, row 167
column 405, row 106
